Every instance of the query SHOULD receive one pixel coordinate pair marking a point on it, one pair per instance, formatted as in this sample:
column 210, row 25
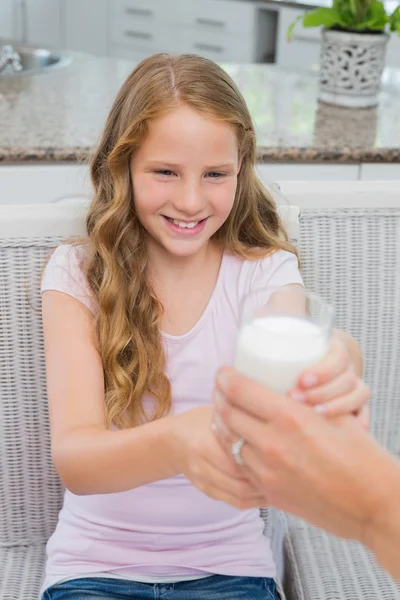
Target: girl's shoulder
column 275, row 269
column 64, row 272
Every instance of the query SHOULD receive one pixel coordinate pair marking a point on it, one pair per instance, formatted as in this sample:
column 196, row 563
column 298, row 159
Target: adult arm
column 330, row 472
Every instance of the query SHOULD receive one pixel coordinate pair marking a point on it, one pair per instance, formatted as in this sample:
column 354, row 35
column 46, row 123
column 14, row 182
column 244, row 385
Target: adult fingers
column 249, row 395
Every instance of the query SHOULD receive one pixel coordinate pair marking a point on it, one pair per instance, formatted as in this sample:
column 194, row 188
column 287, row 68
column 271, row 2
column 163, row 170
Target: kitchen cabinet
column 41, row 23
column 223, row 30
column 7, row 16
column 385, row 172
column 269, row 173
column 85, row 26
column 36, row 184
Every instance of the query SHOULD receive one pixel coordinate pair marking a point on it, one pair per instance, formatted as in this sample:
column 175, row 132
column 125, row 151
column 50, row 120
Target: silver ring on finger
column 237, row 448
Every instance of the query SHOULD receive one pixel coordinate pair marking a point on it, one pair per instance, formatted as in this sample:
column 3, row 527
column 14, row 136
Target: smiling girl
column 138, row 317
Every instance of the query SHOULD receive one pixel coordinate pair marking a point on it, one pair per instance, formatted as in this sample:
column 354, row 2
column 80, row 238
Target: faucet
column 8, row 56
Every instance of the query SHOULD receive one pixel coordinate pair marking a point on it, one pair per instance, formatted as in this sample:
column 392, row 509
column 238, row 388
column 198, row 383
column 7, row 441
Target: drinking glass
column 283, row 331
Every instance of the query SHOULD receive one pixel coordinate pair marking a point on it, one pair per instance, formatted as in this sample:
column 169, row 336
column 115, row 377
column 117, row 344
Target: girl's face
column 184, row 179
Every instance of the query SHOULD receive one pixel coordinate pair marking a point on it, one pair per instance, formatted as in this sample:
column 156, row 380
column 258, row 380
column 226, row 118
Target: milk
column 275, row 350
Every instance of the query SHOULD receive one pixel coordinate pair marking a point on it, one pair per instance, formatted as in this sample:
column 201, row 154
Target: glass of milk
column 283, row 332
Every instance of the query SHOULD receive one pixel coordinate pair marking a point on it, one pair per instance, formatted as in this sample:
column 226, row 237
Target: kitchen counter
column 58, row 116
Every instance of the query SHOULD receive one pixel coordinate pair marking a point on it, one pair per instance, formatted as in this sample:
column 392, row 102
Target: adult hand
column 201, row 458
column 333, row 386
column 320, row 469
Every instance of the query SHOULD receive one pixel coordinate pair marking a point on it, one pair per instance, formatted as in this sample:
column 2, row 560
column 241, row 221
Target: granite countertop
column 59, row 116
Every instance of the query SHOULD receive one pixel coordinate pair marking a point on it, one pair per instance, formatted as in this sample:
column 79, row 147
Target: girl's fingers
column 239, row 493
column 337, row 361
column 342, row 385
column 364, row 417
column 350, row 403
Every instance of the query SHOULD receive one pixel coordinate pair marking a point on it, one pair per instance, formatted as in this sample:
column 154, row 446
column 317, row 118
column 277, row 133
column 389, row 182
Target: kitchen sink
column 32, row 61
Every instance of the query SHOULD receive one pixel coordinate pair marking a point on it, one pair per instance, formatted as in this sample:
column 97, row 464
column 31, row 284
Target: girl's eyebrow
column 176, row 166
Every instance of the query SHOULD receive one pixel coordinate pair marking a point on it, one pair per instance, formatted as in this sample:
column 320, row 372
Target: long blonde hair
column 128, row 319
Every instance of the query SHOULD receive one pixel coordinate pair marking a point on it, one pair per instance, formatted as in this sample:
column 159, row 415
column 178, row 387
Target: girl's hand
column 200, row 457
column 333, row 387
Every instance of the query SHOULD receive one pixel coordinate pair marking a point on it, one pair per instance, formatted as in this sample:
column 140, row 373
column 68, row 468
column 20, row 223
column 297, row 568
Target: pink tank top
column 169, row 528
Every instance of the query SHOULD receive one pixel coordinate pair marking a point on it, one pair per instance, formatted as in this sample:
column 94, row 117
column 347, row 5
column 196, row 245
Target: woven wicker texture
column 319, row 566
column 30, row 491
column 352, row 258
column 31, row 494
column 21, row 572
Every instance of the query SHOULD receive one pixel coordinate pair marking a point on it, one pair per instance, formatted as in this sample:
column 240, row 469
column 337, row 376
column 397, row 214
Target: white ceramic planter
column 351, row 67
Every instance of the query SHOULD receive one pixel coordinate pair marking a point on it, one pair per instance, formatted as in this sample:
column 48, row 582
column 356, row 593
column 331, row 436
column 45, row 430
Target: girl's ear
column 239, row 167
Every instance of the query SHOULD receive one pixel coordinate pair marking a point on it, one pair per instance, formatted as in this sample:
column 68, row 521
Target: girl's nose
column 189, row 200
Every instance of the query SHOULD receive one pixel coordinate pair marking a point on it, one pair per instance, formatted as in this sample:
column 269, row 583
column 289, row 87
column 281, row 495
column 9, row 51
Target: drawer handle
column 209, row 47
column 142, row 35
column 142, row 12
column 210, row 22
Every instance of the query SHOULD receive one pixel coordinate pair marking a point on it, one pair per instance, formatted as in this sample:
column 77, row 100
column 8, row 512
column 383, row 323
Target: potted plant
column 354, row 39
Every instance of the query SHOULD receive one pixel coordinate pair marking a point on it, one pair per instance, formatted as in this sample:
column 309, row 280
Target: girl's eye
column 215, row 175
column 164, row 172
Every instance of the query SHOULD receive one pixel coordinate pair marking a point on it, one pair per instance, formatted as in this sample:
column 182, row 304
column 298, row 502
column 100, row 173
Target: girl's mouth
column 185, row 227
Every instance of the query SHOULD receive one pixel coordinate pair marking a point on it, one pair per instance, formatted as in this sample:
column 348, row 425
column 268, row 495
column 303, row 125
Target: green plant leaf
column 289, row 33
column 359, row 15
column 395, row 21
column 353, row 6
column 326, row 17
column 376, row 17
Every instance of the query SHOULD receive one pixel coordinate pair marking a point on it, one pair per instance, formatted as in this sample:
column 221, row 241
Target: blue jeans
column 216, row 587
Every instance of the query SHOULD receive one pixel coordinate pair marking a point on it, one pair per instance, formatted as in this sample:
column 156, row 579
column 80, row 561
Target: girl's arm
column 91, row 459
column 353, row 349
column 88, row 457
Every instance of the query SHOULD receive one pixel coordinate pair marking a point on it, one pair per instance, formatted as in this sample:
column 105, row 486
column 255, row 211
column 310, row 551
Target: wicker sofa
column 350, row 255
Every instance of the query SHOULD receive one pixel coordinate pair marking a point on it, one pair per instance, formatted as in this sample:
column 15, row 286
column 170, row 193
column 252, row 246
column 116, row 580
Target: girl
column 137, row 318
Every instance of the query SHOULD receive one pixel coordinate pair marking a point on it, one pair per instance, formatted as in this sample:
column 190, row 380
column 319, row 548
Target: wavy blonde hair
column 128, row 320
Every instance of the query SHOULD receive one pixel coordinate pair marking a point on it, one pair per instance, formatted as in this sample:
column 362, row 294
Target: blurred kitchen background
column 239, row 31
column 75, row 54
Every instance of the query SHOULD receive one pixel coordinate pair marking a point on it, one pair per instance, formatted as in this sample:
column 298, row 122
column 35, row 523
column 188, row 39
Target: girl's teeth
column 185, row 225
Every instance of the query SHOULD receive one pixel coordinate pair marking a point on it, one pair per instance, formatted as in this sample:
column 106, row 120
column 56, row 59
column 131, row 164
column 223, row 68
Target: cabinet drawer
column 167, row 10
column 217, row 46
column 139, row 9
column 220, row 16
column 147, row 33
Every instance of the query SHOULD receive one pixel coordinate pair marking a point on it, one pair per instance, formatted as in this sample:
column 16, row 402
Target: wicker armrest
column 319, row 566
